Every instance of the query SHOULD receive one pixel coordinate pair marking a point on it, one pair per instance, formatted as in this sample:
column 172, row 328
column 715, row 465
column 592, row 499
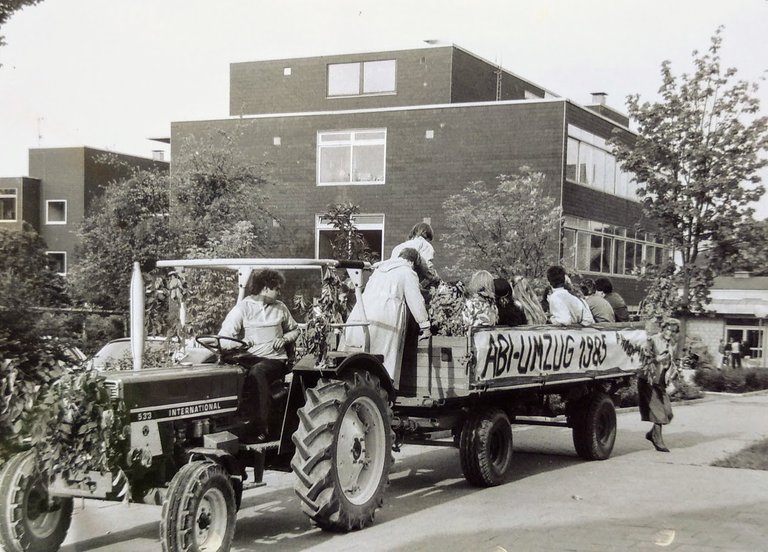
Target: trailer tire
column 594, row 427
column 343, row 451
column 28, row 522
column 199, row 510
column 485, row 447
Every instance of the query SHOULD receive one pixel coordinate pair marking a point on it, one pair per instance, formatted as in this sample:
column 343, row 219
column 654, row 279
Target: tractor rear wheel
column 343, row 451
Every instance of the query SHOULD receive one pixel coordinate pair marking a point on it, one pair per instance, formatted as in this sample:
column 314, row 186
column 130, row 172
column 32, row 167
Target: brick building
column 57, row 194
column 397, row 132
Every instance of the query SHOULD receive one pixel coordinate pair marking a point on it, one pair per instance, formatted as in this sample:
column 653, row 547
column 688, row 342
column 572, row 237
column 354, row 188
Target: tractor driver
column 266, row 325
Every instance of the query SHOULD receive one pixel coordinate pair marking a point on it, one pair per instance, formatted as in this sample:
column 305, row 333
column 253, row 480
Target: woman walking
column 658, row 370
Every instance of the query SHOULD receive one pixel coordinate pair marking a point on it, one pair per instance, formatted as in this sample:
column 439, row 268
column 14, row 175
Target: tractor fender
column 229, row 462
column 340, row 364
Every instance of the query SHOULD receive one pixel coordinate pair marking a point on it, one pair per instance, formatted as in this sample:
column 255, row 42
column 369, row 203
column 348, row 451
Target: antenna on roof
column 498, row 72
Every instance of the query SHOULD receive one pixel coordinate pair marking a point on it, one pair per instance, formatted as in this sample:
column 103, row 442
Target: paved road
column 639, row 499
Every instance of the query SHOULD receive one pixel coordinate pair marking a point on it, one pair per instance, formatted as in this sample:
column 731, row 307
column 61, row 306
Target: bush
column 685, row 391
column 732, row 381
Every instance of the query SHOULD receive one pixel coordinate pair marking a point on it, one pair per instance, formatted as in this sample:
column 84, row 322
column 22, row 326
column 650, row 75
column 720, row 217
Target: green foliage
column 28, row 367
column 732, row 380
column 215, row 186
column 664, row 283
column 349, row 242
column 76, row 427
column 127, row 223
column 509, row 228
column 445, row 306
column 746, row 250
column 696, row 160
column 332, row 307
column 8, row 8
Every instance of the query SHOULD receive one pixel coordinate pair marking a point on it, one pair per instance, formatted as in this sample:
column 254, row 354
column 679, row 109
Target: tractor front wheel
column 30, row 520
column 199, row 510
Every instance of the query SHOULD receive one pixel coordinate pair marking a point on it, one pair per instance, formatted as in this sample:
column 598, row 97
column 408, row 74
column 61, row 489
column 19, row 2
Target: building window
column 589, row 162
column 360, row 78
column 8, row 204
column 599, row 248
column 57, row 261
column 56, row 211
column 351, row 157
column 371, row 226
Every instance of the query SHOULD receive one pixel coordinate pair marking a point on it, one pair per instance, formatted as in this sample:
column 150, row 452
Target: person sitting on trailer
column 480, row 307
column 266, row 325
column 510, row 311
column 565, row 308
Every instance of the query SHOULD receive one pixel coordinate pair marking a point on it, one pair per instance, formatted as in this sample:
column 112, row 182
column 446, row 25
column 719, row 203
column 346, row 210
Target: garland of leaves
column 330, row 308
column 79, row 428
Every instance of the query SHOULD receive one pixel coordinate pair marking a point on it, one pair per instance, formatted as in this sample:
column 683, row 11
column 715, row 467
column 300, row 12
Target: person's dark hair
column 410, row 254
column 556, row 276
column 587, row 286
column 502, row 288
column 257, row 281
column 604, row 285
column 421, row 229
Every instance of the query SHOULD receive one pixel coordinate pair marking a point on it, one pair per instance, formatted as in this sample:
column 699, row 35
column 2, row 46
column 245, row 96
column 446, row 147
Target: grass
column 754, row 457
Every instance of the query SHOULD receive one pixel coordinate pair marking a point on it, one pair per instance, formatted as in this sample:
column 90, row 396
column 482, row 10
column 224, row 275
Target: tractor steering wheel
column 213, row 344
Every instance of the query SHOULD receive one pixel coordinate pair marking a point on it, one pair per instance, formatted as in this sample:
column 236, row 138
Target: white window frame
column 361, row 79
column 48, row 211
column 65, row 260
column 361, row 225
column 582, row 229
column 15, row 196
column 613, row 179
column 351, row 143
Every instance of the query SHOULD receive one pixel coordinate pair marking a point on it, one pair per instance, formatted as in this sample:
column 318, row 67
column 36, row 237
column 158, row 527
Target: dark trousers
column 258, row 388
column 736, row 360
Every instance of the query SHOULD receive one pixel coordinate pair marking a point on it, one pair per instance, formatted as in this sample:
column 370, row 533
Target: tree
column 348, row 242
column 128, row 222
column 215, row 186
column 9, row 7
column 509, row 228
column 696, row 160
column 747, row 250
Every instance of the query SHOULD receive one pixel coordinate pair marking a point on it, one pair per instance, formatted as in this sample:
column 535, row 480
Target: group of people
column 395, row 291
column 731, row 353
column 593, row 301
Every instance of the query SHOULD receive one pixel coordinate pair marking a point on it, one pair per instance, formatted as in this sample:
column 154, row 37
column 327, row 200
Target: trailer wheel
column 29, row 520
column 594, row 427
column 199, row 510
column 485, row 447
column 343, row 451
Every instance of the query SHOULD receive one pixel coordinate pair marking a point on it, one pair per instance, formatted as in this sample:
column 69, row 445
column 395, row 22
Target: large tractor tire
column 594, row 427
column 485, row 447
column 199, row 510
column 343, row 451
column 30, row 521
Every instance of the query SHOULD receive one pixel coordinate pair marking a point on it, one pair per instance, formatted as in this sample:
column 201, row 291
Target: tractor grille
column 113, row 388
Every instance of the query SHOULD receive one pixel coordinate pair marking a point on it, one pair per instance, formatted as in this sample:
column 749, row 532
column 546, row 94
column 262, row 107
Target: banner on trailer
column 503, row 353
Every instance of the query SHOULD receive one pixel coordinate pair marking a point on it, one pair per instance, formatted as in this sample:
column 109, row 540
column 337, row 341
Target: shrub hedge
column 732, row 380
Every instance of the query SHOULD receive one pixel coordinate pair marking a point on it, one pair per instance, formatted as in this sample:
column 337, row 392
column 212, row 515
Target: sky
column 111, row 74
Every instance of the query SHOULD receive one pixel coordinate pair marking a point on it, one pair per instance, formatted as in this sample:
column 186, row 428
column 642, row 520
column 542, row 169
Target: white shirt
column 567, row 309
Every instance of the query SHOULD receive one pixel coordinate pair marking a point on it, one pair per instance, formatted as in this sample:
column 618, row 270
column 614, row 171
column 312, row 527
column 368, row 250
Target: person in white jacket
column 420, row 239
column 392, row 287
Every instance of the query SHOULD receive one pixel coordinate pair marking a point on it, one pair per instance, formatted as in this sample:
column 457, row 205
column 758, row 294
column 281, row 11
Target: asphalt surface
column 639, row 499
